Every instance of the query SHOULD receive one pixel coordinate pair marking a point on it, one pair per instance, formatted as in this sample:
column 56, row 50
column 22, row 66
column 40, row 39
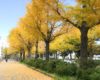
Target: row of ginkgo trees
column 46, row 19
column 37, row 25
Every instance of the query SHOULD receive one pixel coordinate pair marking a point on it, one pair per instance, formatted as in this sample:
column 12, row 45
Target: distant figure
column 6, row 58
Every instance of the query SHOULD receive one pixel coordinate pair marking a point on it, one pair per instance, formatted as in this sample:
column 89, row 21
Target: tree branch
column 43, row 35
column 21, row 39
column 65, row 19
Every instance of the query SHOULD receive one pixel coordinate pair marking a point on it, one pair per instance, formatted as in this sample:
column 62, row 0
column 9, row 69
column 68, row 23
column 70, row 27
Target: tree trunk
column 56, row 55
column 36, row 52
column 41, row 56
column 84, row 45
column 29, row 52
column 23, row 54
column 20, row 55
column 47, row 50
column 70, row 56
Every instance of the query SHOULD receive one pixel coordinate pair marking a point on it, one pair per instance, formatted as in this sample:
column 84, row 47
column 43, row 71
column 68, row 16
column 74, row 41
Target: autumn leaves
column 45, row 20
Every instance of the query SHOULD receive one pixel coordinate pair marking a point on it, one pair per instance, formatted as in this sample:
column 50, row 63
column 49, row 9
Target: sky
column 69, row 2
column 10, row 13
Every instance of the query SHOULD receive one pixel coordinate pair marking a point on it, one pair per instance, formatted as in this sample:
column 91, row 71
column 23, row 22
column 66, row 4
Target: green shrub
column 51, row 66
column 97, row 62
column 84, row 74
column 97, row 69
column 96, row 74
column 67, row 69
column 91, row 64
column 43, row 65
column 61, row 68
column 71, row 69
column 29, row 62
column 37, row 63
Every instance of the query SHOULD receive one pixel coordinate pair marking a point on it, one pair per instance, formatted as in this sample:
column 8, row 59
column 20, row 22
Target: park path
column 15, row 71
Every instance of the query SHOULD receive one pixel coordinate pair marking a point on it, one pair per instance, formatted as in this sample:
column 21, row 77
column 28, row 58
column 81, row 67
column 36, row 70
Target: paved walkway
column 15, row 71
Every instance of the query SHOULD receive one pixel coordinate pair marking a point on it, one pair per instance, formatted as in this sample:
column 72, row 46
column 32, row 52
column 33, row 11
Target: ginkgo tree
column 72, row 42
column 46, row 22
column 15, row 43
column 21, row 39
column 67, row 43
column 93, row 35
column 84, row 16
column 27, row 36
